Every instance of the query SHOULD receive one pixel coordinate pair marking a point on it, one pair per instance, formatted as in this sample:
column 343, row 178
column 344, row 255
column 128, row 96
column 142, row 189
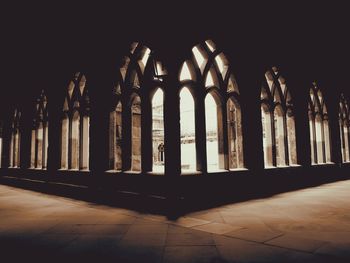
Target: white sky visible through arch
column 157, row 98
column 210, row 113
column 157, row 130
column 221, row 64
column 198, row 57
column 185, row 73
column 187, row 124
column 187, row 120
column 211, row 133
column 187, row 112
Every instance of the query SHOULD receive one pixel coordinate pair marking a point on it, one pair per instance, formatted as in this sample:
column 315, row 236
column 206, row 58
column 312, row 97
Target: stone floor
column 310, row 225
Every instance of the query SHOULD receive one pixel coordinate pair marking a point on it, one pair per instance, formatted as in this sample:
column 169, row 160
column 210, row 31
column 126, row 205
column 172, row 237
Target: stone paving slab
column 309, row 225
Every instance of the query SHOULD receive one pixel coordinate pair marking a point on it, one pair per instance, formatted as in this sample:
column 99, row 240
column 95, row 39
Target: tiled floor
column 310, row 225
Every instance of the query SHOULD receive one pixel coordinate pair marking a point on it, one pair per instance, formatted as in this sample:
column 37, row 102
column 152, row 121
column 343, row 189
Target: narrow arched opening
column 187, row 131
column 115, row 138
column 214, row 131
column 39, row 145
column 319, row 139
column 85, row 142
column 75, row 142
column 266, row 121
column 158, row 147
column 327, row 142
column 279, row 136
column 64, row 142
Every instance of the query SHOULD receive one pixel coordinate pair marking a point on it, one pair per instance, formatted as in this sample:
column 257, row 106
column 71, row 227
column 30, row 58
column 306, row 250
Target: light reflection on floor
column 310, row 225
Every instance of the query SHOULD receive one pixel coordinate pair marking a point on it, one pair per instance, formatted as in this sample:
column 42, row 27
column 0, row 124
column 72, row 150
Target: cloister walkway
column 309, row 225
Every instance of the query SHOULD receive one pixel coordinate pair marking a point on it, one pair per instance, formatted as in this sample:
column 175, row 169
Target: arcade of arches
column 209, row 120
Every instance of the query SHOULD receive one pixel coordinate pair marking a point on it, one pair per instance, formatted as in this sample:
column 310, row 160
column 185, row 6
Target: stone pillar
column 201, row 138
column 220, row 134
column 304, row 129
column 99, row 80
column 332, row 103
column 249, row 84
column 57, row 125
column 126, row 131
column 172, row 142
column 146, row 128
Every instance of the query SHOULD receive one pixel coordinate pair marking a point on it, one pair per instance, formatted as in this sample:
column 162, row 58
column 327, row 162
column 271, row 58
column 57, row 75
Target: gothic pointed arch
column 138, row 95
column 208, row 72
column 158, row 135
column 278, row 121
column 75, row 125
column 187, row 131
column 15, row 140
column 319, row 127
column 39, row 136
column 115, row 130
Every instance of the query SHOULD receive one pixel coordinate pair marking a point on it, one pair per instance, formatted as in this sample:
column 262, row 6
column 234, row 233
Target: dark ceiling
column 37, row 41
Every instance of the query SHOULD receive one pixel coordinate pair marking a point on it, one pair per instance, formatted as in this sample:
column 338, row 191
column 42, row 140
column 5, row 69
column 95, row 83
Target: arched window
column 187, row 77
column 187, row 131
column 344, row 119
column 39, row 142
column 215, row 153
column 128, row 102
column 115, row 137
column 208, row 75
column 319, row 127
column 15, row 143
column 158, row 156
column 267, row 135
column 75, row 141
column 187, row 72
column 278, row 122
column 115, row 120
column 75, row 125
column 279, row 135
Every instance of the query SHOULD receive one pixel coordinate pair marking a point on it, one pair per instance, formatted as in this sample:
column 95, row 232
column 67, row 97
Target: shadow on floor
column 180, row 196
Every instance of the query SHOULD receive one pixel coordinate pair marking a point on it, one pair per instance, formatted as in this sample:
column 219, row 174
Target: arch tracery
column 75, row 125
column 139, row 67
column 39, row 139
column 209, row 68
column 15, row 140
column 319, row 127
column 278, row 121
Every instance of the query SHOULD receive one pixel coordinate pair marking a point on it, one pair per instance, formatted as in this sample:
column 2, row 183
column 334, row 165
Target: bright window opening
column 187, row 132
column 158, row 132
